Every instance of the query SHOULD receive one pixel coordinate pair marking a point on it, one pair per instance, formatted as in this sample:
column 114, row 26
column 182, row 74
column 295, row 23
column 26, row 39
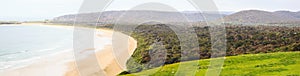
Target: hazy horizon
column 27, row 10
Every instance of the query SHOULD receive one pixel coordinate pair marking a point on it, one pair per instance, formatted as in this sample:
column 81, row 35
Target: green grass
column 271, row 64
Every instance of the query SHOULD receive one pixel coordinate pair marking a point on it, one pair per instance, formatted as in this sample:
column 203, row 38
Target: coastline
column 109, row 65
column 52, row 65
column 64, row 64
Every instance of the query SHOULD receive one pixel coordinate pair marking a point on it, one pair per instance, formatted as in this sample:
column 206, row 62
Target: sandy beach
column 106, row 58
column 103, row 63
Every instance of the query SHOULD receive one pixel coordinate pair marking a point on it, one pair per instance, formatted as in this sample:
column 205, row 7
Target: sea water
column 21, row 45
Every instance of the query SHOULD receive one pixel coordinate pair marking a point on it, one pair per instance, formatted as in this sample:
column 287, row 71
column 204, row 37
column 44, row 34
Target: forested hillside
column 240, row 40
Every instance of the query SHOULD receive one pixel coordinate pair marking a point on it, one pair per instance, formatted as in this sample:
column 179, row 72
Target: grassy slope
column 274, row 64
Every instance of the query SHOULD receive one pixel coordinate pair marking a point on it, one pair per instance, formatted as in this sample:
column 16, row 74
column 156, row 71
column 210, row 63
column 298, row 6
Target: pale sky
column 24, row 10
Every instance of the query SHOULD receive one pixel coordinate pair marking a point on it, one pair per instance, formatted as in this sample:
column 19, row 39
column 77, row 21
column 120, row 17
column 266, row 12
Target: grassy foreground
column 271, row 64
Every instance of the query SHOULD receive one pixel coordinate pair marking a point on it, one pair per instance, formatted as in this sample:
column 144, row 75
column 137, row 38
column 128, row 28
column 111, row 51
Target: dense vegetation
column 10, row 22
column 240, row 40
column 272, row 64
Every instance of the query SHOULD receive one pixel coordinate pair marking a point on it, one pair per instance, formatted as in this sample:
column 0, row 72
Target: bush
column 241, row 40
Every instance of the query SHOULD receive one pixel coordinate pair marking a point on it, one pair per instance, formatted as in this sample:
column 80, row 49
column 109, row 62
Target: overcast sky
column 23, row 10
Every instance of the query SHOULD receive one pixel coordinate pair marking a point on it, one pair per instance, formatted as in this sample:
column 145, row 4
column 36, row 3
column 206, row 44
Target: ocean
column 21, row 45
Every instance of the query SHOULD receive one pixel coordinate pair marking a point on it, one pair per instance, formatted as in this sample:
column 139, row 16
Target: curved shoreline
column 109, row 65
column 106, row 60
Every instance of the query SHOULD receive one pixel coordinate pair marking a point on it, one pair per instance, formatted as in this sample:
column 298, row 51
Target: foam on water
column 23, row 45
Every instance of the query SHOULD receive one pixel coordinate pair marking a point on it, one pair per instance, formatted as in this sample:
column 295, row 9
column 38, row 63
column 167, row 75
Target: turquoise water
column 22, row 44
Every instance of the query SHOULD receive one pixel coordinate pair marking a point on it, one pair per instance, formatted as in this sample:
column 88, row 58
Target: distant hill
column 112, row 16
column 258, row 16
column 242, row 17
column 221, row 12
column 288, row 14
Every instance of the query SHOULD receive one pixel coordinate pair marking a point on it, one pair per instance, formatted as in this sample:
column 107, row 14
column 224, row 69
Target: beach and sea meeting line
column 17, row 50
column 50, row 52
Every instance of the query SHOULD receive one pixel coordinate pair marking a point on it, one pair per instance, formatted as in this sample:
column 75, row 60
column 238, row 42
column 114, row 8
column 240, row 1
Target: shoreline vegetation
column 241, row 39
column 9, row 22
